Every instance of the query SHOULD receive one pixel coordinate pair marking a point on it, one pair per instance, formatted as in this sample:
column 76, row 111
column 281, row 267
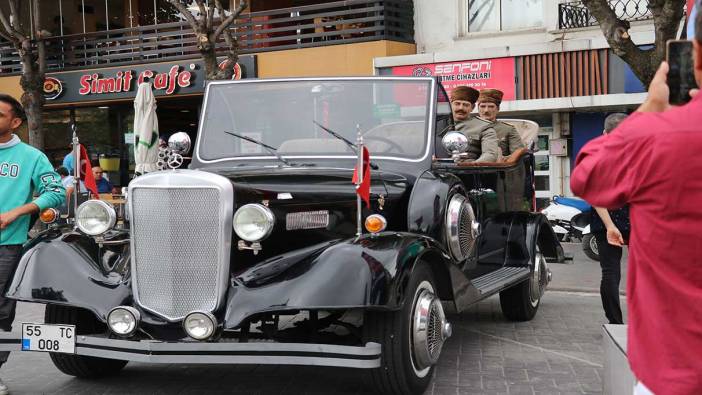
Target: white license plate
column 49, row 338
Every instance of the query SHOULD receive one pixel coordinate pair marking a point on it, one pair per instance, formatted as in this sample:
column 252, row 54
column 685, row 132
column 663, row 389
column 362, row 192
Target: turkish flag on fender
column 363, row 189
column 86, row 172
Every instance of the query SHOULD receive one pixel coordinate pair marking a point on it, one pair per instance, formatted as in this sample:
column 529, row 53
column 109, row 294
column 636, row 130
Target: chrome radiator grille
column 180, row 247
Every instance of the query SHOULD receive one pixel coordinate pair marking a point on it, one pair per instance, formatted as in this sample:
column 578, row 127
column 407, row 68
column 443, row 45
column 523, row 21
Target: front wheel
column 520, row 302
column 590, row 247
column 80, row 365
column 411, row 338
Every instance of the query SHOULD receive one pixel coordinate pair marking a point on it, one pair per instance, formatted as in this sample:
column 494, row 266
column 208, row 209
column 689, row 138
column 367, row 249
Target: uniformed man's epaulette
column 506, row 124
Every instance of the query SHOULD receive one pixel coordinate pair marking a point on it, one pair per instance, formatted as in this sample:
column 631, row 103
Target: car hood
column 299, row 186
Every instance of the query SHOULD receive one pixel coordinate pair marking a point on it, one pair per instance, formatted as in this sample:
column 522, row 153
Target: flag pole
column 76, row 169
column 359, row 180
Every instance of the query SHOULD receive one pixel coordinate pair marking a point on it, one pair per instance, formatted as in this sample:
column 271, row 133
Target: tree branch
column 16, row 35
column 667, row 15
column 230, row 19
column 616, row 32
column 187, row 14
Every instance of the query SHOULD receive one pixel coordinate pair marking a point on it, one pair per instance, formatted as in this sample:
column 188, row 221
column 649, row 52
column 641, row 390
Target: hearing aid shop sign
column 167, row 79
column 498, row 73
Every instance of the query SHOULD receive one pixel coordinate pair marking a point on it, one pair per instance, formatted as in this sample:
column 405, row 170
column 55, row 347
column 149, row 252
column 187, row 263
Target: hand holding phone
column 681, row 76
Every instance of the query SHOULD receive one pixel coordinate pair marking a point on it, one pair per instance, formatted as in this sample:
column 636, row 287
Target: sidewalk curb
column 579, row 290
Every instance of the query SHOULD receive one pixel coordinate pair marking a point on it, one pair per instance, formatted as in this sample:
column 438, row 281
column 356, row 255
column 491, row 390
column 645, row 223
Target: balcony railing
column 340, row 22
column 574, row 14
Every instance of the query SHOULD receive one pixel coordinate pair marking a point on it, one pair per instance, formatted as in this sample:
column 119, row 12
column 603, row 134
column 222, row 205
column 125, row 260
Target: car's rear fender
column 368, row 272
column 65, row 270
column 519, row 233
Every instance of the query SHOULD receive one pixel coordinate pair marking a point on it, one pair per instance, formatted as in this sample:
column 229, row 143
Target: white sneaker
column 3, row 388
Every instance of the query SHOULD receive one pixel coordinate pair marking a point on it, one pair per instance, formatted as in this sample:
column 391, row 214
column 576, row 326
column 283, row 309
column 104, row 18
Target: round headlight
column 123, row 320
column 199, row 325
column 95, row 217
column 253, row 222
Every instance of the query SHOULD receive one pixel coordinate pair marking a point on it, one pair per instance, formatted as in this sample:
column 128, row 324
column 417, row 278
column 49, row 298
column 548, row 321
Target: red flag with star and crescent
column 363, row 188
column 86, row 172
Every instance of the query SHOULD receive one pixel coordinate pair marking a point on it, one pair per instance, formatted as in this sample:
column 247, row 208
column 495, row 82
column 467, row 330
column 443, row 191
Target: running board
column 500, row 279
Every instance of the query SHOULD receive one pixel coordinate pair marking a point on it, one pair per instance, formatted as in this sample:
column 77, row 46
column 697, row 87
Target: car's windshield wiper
column 338, row 136
column 342, row 138
column 268, row 148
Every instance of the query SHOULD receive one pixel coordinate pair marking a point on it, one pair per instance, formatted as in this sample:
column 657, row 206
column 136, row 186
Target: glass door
column 543, row 168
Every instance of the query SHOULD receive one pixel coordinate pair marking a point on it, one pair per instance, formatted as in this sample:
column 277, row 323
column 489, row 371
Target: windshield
column 314, row 118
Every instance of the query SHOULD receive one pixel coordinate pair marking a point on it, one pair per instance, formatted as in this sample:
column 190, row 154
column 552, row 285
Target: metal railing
column 340, row 22
column 574, row 14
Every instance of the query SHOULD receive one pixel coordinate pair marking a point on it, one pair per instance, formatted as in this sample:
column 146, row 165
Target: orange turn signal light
column 49, row 216
column 376, row 223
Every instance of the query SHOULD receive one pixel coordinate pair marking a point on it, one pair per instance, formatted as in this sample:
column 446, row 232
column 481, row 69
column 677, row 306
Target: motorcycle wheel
column 590, row 247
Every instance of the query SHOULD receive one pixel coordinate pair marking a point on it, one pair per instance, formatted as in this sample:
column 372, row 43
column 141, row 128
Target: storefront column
column 560, row 174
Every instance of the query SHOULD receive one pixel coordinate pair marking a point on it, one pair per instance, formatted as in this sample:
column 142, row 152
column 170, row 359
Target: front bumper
column 267, row 353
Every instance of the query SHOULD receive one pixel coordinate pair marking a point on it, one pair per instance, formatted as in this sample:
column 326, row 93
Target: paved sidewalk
column 559, row 351
column 582, row 274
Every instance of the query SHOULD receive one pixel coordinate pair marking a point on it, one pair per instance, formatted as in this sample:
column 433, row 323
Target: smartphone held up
column 681, row 76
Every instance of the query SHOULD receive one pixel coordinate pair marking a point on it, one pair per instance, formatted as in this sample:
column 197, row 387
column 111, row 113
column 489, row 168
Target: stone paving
column 558, row 352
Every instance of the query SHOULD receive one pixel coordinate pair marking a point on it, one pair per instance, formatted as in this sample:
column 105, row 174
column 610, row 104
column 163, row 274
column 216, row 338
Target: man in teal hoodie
column 24, row 172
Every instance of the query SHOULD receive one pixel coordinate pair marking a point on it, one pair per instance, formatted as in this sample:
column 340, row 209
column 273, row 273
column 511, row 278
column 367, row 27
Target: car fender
column 364, row 272
column 427, row 204
column 518, row 234
column 63, row 270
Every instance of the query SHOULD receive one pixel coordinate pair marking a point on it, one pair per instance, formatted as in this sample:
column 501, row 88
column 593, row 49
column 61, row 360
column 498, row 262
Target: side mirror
column 456, row 143
column 179, row 143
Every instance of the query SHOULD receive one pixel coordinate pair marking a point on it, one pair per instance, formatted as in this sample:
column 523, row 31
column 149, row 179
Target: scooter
column 581, row 222
column 560, row 213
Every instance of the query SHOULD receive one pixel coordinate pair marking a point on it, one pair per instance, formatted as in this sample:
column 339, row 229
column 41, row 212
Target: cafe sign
column 167, row 79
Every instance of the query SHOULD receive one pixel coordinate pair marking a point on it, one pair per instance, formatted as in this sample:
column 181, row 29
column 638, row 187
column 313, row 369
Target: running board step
column 500, row 279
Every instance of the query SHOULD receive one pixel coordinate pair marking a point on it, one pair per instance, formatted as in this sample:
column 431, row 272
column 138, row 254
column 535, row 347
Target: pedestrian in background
column 24, row 171
column 611, row 230
column 652, row 162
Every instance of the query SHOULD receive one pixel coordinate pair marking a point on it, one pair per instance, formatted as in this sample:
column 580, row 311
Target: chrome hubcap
column 539, row 279
column 429, row 329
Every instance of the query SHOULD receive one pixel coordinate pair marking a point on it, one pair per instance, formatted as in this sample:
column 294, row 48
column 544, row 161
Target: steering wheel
column 393, row 145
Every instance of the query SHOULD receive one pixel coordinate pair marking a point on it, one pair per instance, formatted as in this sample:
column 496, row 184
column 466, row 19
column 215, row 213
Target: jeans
column 610, row 262
column 9, row 258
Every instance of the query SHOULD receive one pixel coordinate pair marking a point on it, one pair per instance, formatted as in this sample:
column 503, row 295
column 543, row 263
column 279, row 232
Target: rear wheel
column 80, row 365
column 520, row 302
column 411, row 338
column 590, row 247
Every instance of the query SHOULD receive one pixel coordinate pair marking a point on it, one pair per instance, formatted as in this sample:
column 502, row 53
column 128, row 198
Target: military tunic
column 482, row 139
column 508, row 138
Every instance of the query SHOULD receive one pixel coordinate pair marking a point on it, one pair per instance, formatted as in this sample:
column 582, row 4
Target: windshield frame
column 431, row 115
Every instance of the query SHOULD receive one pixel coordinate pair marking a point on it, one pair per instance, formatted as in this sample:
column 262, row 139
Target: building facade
column 99, row 50
column 548, row 56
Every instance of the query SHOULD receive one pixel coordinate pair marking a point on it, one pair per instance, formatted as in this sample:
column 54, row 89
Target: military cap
column 465, row 93
column 491, row 96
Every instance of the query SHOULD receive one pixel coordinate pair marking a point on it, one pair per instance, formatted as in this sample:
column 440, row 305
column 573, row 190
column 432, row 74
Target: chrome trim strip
column 431, row 116
column 188, row 179
column 365, row 357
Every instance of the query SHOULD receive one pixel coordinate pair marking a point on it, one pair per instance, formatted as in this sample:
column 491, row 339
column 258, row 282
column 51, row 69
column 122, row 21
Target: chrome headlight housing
column 200, row 325
column 123, row 320
column 253, row 222
column 95, row 217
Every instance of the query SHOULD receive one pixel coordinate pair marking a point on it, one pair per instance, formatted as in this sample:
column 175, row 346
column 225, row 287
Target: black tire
column 590, row 247
column 521, row 302
column 397, row 373
column 80, row 365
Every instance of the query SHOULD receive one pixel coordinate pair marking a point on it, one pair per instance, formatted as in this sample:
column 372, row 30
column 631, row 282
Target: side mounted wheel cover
column 461, row 227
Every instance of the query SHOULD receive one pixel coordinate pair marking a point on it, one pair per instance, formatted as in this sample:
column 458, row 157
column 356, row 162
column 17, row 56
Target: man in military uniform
column 488, row 107
column 482, row 138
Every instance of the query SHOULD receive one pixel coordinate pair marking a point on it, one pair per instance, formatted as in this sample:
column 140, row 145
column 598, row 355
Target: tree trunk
column 32, row 83
column 667, row 15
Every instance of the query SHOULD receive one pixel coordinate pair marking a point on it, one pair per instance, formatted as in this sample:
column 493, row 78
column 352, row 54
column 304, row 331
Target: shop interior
column 106, row 130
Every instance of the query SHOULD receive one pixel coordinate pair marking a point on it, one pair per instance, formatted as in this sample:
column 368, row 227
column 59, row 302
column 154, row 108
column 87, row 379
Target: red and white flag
column 363, row 187
column 86, row 172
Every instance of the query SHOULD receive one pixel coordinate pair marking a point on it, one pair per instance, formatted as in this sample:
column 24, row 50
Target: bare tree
column 208, row 31
column 667, row 15
column 29, row 40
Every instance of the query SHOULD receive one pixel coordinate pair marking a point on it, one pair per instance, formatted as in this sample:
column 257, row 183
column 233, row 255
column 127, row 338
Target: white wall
column 440, row 34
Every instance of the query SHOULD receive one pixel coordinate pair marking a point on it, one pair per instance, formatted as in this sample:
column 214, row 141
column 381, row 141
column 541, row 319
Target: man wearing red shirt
column 653, row 162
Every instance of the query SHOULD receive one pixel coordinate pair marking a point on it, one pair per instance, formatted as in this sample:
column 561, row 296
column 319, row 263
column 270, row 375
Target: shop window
column 502, row 15
column 57, row 135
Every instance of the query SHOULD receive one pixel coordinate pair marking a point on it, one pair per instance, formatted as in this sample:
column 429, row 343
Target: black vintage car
column 254, row 254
